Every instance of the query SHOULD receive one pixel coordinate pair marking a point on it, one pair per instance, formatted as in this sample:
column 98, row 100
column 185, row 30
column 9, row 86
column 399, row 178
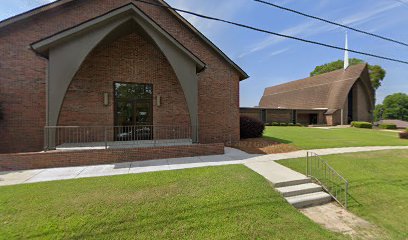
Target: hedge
column 362, row 125
column 251, row 127
column 388, row 126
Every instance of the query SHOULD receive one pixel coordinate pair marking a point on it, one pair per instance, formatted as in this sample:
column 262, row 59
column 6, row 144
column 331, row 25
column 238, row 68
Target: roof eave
column 42, row 46
column 43, row 8
column 32, row 12
column 243, row 74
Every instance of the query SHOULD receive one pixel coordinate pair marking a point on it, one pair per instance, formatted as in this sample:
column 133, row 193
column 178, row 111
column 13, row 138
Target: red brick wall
column 131, row 59
column 23, row 74
column 303, row 116
column 329, row 120
column 252, row 113
column 23, row 161
column 335, row 118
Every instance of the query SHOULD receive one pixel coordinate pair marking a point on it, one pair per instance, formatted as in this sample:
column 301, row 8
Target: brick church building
column 97, row 72
column 334, row 98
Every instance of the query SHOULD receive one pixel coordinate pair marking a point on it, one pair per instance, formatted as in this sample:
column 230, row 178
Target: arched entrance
column 68, row 50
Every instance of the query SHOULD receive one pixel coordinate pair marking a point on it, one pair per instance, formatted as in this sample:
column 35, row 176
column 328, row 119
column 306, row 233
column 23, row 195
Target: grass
column 228, row 202
column 378, row 186
column 314, row 138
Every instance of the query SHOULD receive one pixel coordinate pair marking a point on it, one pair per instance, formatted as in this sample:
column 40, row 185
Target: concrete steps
column 310, row 199
column 292, row 183
column 302, row 194
column 295, row 187
column 300, row 189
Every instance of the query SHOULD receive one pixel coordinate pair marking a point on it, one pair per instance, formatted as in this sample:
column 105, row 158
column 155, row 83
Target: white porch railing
column 66, row 137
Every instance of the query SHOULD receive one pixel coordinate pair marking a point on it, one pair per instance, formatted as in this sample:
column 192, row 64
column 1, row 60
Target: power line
column 405, row 4
column 273, row 33
column 334, row 23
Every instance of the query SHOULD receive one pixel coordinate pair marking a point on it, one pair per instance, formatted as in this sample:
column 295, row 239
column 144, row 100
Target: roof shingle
column 325, row 91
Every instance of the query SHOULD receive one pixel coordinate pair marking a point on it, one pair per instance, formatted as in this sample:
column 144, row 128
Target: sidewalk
column 231, row 156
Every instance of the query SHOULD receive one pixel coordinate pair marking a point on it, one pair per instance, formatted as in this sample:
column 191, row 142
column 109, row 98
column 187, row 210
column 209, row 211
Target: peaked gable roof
column 325, row 91
column 46, row 7
column 127, row 12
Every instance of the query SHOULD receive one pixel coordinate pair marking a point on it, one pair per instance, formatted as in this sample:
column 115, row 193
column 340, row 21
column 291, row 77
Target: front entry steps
column 295, row 187
column 303, row 193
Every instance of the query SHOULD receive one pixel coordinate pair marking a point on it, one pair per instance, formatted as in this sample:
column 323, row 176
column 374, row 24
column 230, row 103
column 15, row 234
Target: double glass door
column 133, row 111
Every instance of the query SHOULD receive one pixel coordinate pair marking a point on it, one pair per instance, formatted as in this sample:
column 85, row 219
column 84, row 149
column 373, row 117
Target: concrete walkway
column 231, row 156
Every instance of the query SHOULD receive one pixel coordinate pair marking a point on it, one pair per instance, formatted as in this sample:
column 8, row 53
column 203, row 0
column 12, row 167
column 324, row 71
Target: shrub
column 251, row 127
column 299, row 125
column 283, row 124
column 291, row 124
column 388, row 126
column 362, row 125
column 268, row 124
column 275, row 124
column 403, row 135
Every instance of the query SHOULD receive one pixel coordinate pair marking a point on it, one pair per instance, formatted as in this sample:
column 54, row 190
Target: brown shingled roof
column 325, row 91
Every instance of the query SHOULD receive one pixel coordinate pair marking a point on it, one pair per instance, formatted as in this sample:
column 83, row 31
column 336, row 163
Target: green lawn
column 313, row 138
column 228, row 202
column 378, row 186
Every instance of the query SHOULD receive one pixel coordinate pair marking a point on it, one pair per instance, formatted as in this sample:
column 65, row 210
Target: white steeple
column 346, row 55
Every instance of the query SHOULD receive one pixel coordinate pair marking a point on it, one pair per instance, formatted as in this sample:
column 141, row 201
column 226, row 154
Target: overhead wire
column 334, row 23
column 273, row 33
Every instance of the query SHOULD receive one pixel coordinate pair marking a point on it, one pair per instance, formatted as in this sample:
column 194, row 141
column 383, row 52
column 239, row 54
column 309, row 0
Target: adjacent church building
column 335, row 98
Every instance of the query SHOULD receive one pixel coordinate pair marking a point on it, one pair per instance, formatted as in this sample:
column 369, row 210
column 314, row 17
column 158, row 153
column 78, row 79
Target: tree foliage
column 378, row 112
column 395, row 106
column 377, row 73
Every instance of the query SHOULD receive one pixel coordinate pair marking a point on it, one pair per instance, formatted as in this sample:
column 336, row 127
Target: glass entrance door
column 133, row 111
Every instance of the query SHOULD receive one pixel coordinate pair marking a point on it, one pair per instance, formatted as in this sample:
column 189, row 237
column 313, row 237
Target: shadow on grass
column 277, row 140
column 352, row 201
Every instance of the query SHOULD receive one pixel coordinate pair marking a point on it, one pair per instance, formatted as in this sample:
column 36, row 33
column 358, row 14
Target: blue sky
column 271, row 60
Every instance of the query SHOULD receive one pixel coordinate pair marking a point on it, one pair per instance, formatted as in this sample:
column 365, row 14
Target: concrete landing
column 337, row 219
column 277, row 174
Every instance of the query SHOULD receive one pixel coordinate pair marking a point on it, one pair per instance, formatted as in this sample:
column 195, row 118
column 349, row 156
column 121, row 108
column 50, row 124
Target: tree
column 377, row 73
column 378, row 112
column 395, row 106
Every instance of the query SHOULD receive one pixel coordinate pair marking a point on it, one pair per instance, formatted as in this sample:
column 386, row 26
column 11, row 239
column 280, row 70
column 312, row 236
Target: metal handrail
column 331, row 181
column 105, row 135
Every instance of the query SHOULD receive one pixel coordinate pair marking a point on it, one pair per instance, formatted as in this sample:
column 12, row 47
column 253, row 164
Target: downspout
column 230, row 103
column 45, row 130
